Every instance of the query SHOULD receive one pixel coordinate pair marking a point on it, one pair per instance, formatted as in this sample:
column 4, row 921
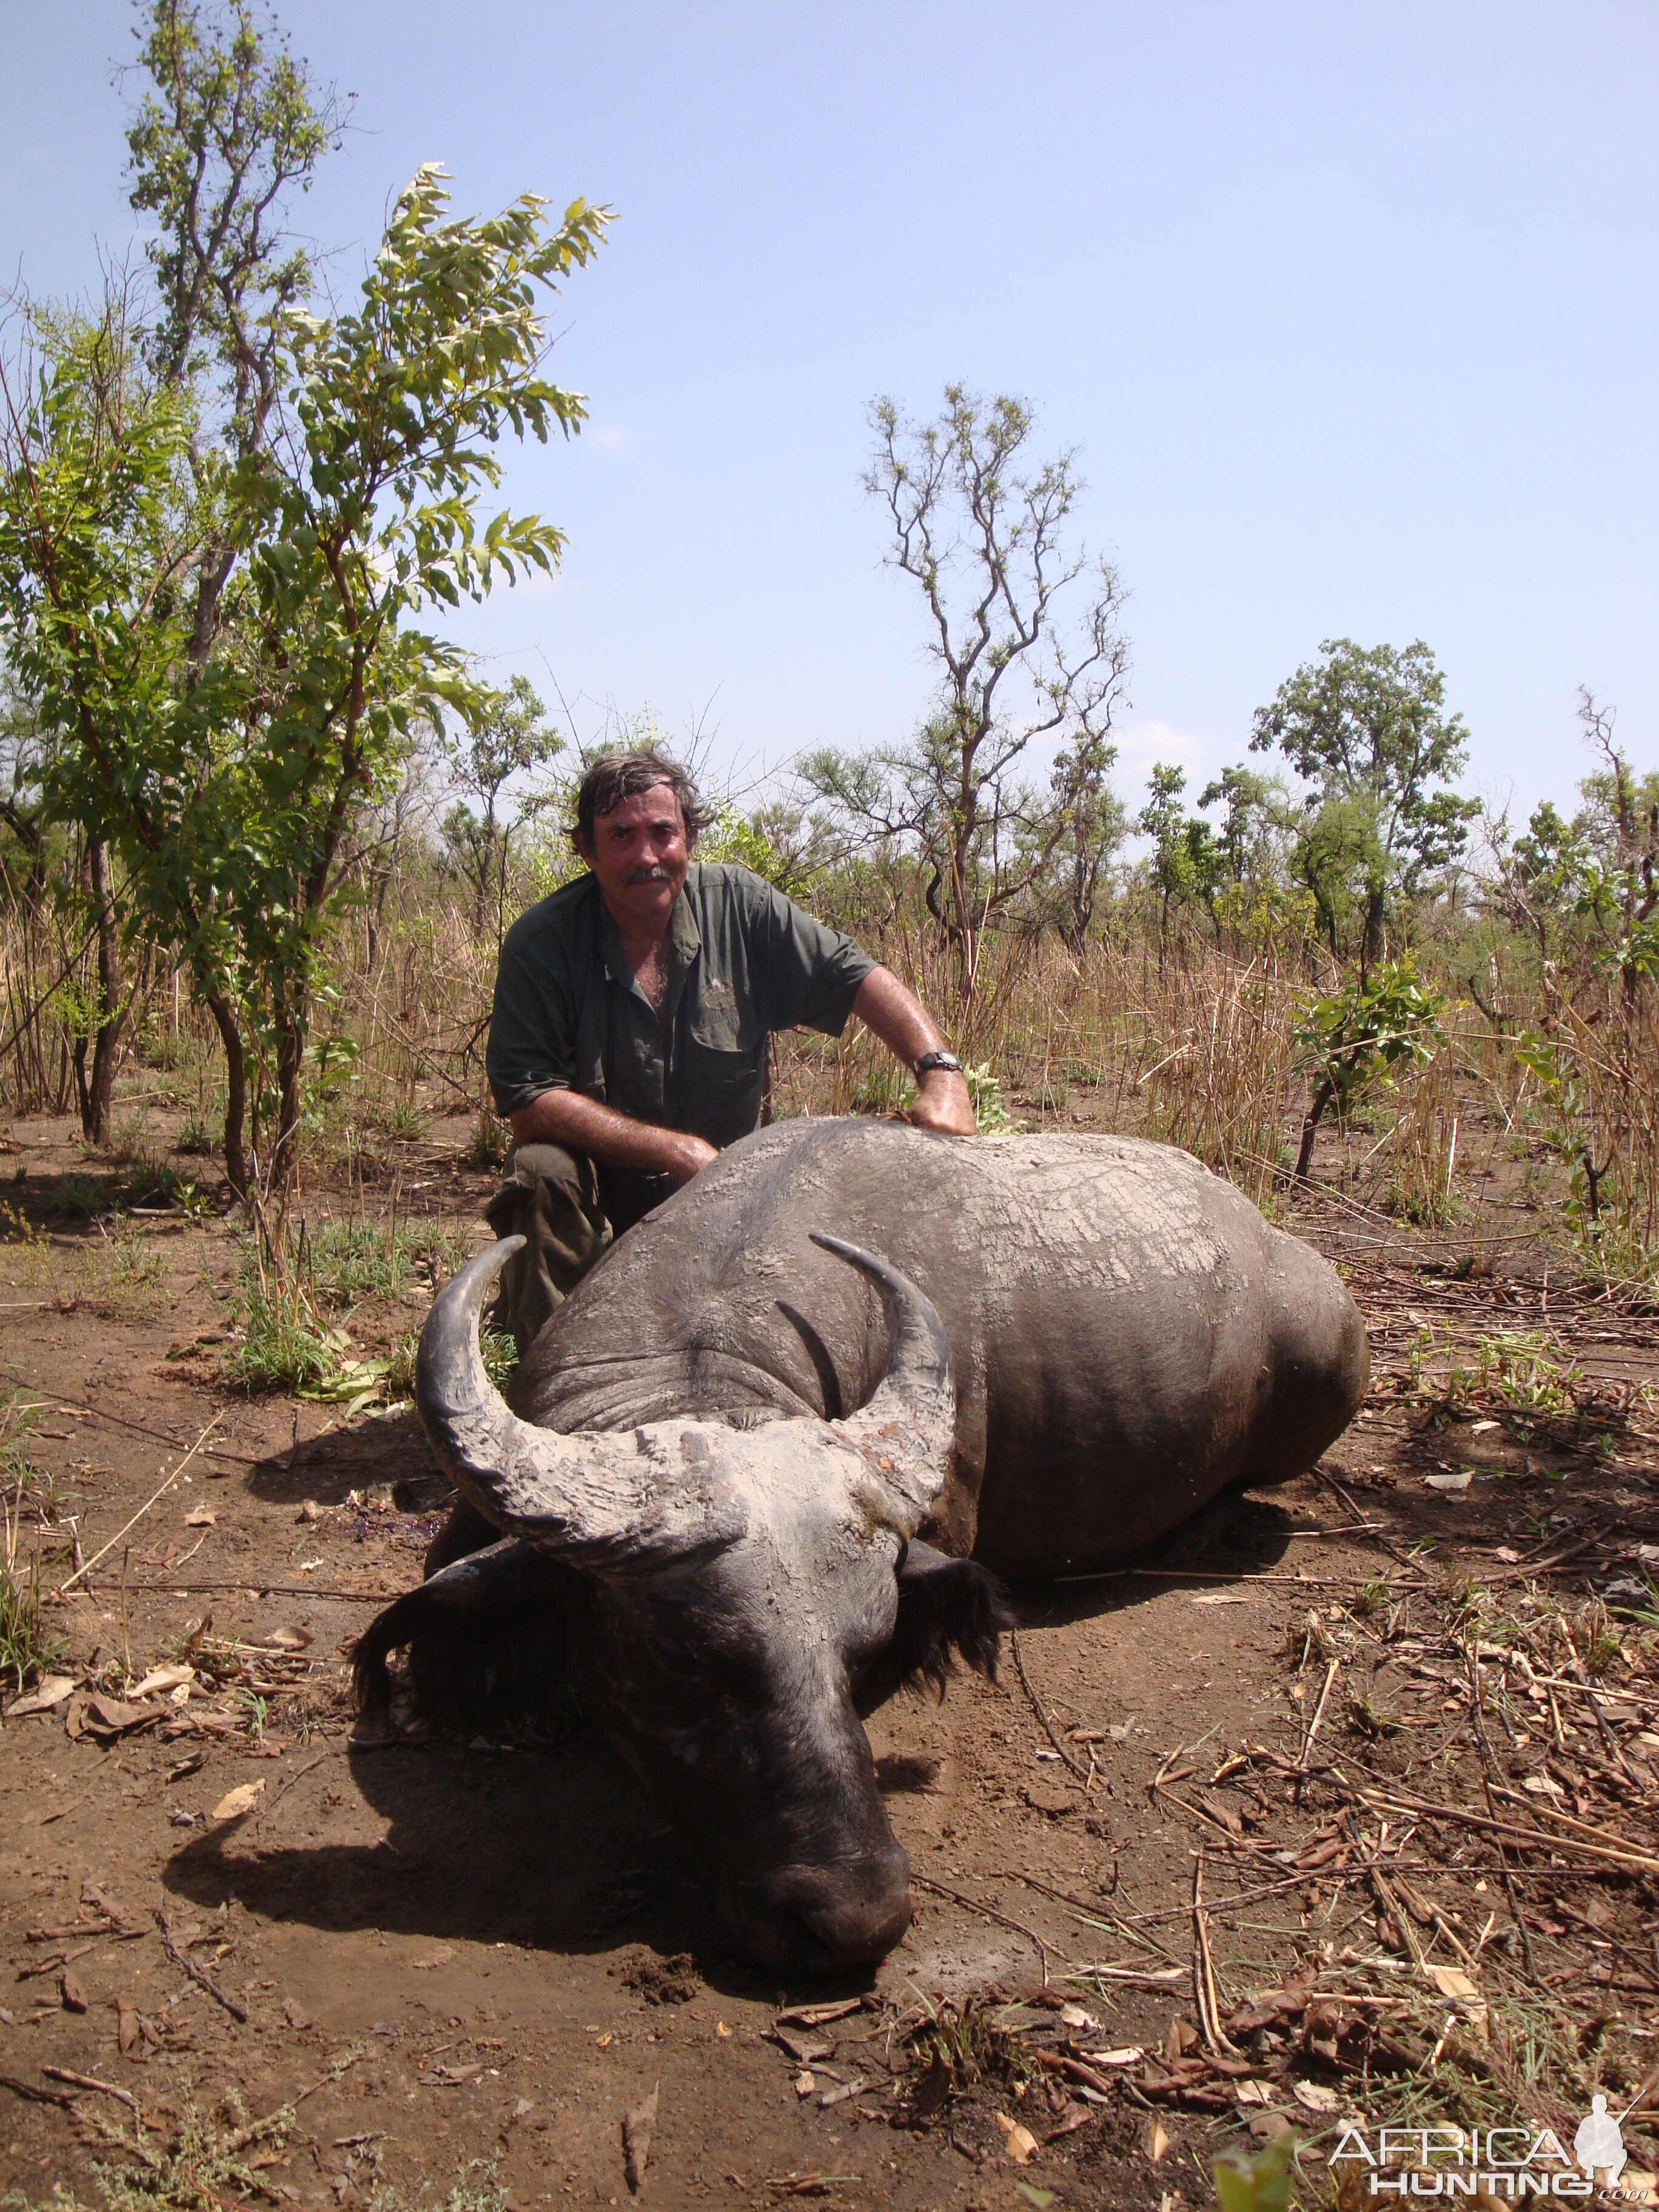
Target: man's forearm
column 583, row 1124
column 910, row 1032
column 897, row 1017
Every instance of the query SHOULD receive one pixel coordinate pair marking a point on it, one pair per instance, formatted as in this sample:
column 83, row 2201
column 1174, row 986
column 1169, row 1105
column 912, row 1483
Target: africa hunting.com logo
column 1493, row 2162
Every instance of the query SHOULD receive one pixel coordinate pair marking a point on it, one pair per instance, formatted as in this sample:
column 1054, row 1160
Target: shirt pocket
column 725, row 1051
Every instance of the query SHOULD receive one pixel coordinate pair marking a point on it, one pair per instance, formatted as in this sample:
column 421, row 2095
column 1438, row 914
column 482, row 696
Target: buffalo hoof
column 820, row 1920
column 374, row 1731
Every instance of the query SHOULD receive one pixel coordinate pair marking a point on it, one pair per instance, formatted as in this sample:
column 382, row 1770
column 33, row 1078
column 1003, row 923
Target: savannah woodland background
column 1337, row 1810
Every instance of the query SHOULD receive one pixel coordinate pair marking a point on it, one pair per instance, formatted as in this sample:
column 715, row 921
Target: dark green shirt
column 744, row 961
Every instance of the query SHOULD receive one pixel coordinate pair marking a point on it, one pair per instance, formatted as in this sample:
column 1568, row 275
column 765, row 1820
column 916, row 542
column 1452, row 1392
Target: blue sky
column 1352, row 311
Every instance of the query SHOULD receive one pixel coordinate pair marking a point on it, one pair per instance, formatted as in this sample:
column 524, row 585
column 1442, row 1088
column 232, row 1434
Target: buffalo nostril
column 821, row 1919
column 861, row 1932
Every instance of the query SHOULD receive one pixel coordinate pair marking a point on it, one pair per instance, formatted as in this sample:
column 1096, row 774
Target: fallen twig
column 1532, row 1839
column 1037, row 1708
column 1181, row 1751
column 310, row 1767
column 284, row 2113
column 1487, row 1767
column 1582, row 1831
column 35, row 2094
column 1234, row 1575
column 237, row 2010
column 990, row 1913
column 1209, row 2011
column 255, row 1588
column 1333, row 1669
column 104, row 2088
column 145, row 1507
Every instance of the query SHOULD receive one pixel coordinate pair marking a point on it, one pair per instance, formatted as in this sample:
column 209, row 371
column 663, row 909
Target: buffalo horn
column 907, row 1427
column 598, row 1500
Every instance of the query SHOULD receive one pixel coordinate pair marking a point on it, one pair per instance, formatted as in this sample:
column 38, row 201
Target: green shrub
column 492, row 1140
column 1350, row 1042
column 26, row 1649
column 284, row 1346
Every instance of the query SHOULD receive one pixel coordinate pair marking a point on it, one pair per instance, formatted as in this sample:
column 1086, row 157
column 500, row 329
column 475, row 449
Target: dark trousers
column 569, row 1211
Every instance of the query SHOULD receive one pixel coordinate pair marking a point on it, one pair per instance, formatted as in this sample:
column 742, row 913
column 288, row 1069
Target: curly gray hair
column 616, row 776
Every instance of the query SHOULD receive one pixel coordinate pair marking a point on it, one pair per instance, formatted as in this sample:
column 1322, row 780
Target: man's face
column 639, row 851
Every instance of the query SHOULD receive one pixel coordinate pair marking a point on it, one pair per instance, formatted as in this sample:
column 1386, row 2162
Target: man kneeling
column 628, row 1041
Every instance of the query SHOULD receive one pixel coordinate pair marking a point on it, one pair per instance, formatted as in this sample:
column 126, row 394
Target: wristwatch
column 930, row 1060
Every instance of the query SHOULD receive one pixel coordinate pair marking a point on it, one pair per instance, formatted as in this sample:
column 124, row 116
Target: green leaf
column 1257, row 2181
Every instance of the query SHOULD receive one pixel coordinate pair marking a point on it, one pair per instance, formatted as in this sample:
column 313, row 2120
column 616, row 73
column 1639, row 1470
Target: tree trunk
column 1373, row 924
column 1322, row 1096
column 97, row 1091
column 230, row 1036
column 290, row 1052
column 482, row 889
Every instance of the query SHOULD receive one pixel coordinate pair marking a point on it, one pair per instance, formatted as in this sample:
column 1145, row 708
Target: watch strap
column 930, row 1060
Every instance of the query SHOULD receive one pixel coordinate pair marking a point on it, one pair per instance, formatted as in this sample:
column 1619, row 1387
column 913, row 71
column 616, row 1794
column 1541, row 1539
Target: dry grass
column 1192, row 1042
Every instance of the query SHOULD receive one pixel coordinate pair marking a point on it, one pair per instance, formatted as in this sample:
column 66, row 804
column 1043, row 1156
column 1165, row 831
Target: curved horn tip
column 872, row 1263
column 472, row 1281
column 449, row 1334
column 920, row 1326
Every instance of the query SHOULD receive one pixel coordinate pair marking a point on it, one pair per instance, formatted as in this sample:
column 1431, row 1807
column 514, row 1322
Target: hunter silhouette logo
column 1599, row 2145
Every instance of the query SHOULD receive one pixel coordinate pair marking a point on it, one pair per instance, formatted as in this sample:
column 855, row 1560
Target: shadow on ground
column 561, row 1849
column 556, row 1852
column 1240, row 1533
column 392, row 1450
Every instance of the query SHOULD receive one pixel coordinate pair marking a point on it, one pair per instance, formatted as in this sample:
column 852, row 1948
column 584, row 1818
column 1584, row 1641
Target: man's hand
column 688, row 1154
column 909, row 1033
column 943, row 1105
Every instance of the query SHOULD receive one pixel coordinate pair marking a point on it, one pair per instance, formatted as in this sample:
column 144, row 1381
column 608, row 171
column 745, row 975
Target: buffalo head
column 724, row 1591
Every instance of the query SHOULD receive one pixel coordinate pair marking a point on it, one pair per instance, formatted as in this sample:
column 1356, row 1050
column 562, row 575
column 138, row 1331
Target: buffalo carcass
column 729, row 1444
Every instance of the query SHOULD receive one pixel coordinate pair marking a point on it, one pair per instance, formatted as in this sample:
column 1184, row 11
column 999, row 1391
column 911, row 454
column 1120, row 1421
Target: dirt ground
column 1339, row 1808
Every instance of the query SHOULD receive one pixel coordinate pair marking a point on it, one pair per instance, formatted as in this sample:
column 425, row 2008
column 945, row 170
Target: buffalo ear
column 948, row 1609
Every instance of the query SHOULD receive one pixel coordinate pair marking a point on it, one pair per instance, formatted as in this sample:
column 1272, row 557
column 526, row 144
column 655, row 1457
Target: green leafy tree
column 227, row 127
column 1600, row 869
column 398, row 407
column 95, row 532
column 226, row 755
column 1093, row 823
column 1354, row 1041
column 508, row 736
column 1367, row 727
column 1252, row 823
column 1334, row 856
column 230, row 129
column 25, row 847
column 1185, row 863
column 1539, row 874
column 1617, row 851
column 984, row 534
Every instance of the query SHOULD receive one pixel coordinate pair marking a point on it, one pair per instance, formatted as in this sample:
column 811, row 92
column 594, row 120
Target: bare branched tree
column 985, row 538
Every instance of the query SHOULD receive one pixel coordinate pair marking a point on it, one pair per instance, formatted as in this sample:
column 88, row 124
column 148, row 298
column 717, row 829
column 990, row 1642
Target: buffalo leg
column 466, row 1531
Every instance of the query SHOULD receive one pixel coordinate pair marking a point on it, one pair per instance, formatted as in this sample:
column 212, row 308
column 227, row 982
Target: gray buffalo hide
column 1128, row 1334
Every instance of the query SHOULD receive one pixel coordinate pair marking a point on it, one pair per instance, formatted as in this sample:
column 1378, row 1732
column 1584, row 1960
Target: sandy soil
column 456, row 1953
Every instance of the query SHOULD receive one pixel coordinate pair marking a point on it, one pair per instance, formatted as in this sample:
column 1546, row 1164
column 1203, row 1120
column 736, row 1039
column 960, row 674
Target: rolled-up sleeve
column 531, row 1046
column 812, row 972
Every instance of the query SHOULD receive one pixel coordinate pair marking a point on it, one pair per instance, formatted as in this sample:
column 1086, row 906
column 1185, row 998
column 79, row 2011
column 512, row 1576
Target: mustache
column 651, row 875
